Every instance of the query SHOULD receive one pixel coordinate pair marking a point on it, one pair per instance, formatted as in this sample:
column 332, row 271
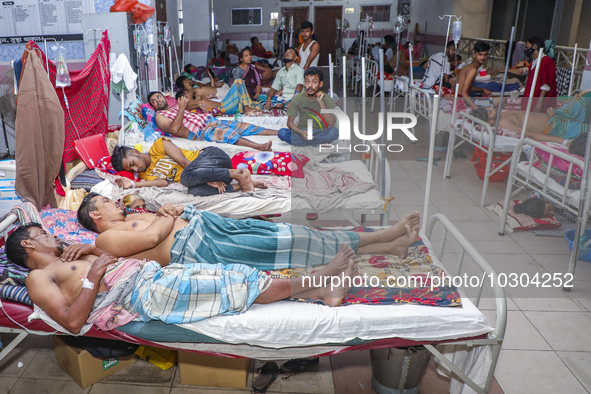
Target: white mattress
column 249, row 206
column 260, row 120
column 309, row 324
column 572, row 195
column 312, row 152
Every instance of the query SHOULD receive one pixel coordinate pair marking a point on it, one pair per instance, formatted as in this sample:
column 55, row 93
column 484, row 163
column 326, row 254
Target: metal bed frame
column 494, row 339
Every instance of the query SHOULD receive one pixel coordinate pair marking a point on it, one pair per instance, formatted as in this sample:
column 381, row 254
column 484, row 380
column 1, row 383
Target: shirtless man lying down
column 184, row 234
column 65, row 283
column 513, row 120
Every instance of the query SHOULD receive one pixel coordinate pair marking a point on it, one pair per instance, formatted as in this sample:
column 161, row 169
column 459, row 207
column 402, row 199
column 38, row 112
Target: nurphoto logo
column 345, row 130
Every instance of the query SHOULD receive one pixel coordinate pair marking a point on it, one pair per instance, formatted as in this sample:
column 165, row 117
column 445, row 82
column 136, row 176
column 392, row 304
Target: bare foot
column 400, row 245
column 339, row 263
column 265, row 147
column 336, row 294
column 245, row 182
column 252, row 112
column 398, row 230
column 260, row 184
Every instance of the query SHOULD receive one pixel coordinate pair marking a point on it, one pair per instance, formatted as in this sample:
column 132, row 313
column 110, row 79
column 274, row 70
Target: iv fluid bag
column 62, row 78
column 457, row 33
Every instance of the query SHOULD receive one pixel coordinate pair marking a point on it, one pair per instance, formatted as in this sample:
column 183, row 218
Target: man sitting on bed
column 205, row 172
column 181, row 123
column 78, row 283
column 307, row 104
column 185, row 234
column 289, row 79
column 467, row 90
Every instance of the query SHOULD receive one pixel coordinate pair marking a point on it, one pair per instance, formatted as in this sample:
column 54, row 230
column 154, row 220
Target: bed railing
column 376, row 166
column 420, row 102
column 495, row 339
column 487, row 146
column 528, row 181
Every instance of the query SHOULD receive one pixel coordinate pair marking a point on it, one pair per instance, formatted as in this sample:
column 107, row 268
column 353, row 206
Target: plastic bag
column 62, row 78
column 141, row 12
column 123, row 5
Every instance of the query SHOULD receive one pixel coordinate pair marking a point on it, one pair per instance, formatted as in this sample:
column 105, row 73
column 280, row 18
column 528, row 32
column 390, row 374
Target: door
column 300, row 14
column 325, row 30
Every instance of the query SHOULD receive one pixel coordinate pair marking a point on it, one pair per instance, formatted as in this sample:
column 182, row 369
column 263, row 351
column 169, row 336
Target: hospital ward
column 297, row 197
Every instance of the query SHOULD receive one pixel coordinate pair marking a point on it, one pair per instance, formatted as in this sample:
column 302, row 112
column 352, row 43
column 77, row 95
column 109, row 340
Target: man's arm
column 126, row 183
column 330, row 119
column 270, row 95
column 466, row 79
column 293, row 127
column 175, row 153
column 166, row 125
column 128, row 243
column 44, row 292
column 75, row 251
column 314, row 50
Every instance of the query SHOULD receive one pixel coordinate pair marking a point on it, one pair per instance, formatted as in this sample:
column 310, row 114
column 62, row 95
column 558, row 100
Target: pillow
column 559, row 163
column 64, row 224
column 149, row 113
column 559, row 176
column 519, row 221
column 279, row 163
column 15, row 293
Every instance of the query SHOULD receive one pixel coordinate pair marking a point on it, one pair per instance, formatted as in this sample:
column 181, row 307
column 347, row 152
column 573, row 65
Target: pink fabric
column 194, row 122
column 117, row 275
column 559, row 163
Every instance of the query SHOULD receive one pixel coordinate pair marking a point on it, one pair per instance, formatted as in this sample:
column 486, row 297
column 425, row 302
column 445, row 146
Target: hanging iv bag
column 457, row 32
column 62, row 78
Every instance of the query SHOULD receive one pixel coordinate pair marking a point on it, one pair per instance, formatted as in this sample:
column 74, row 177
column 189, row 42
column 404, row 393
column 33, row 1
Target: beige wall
column 475, row 17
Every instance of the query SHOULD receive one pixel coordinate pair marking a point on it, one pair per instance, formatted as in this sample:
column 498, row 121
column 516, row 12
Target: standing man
column 545, row 92
column 310, row 49
column 468, row 75
column 434, row 65
column 290, row 78
column 308, row 105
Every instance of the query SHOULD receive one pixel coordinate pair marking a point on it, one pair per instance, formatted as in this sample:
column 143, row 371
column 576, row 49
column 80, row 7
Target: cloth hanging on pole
column 39, row 134
column 87, row 97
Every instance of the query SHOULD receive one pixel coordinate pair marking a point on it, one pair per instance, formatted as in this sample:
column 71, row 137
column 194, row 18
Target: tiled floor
column 547, row 347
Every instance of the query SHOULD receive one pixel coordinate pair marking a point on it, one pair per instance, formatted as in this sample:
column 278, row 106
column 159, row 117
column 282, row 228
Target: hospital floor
column 547, row 347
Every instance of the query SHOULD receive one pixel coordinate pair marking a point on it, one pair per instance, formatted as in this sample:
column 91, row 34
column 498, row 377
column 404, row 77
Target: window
column 274, row 18
column 380, row 13
column 247, row 16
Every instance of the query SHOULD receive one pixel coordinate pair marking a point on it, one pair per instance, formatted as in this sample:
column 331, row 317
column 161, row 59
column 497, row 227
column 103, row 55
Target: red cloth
column 546, row 76
column 88, row 96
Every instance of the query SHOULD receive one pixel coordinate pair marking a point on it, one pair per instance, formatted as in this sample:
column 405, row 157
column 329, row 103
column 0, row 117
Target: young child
column 133, row 204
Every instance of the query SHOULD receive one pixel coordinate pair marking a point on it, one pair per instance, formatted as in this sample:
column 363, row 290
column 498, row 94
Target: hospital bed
column 524, row 175
column 481, row 135
column 315, row 330
column 371, row 202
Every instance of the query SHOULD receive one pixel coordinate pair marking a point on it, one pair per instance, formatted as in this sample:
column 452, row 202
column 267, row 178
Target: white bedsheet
column 260, row 120
column 312, row 152
column 309, row 324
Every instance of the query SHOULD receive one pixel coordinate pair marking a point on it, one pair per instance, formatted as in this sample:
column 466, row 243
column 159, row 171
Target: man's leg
column 231, row 132
column 318, row 285
column 210, row 166
column 284, row 135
